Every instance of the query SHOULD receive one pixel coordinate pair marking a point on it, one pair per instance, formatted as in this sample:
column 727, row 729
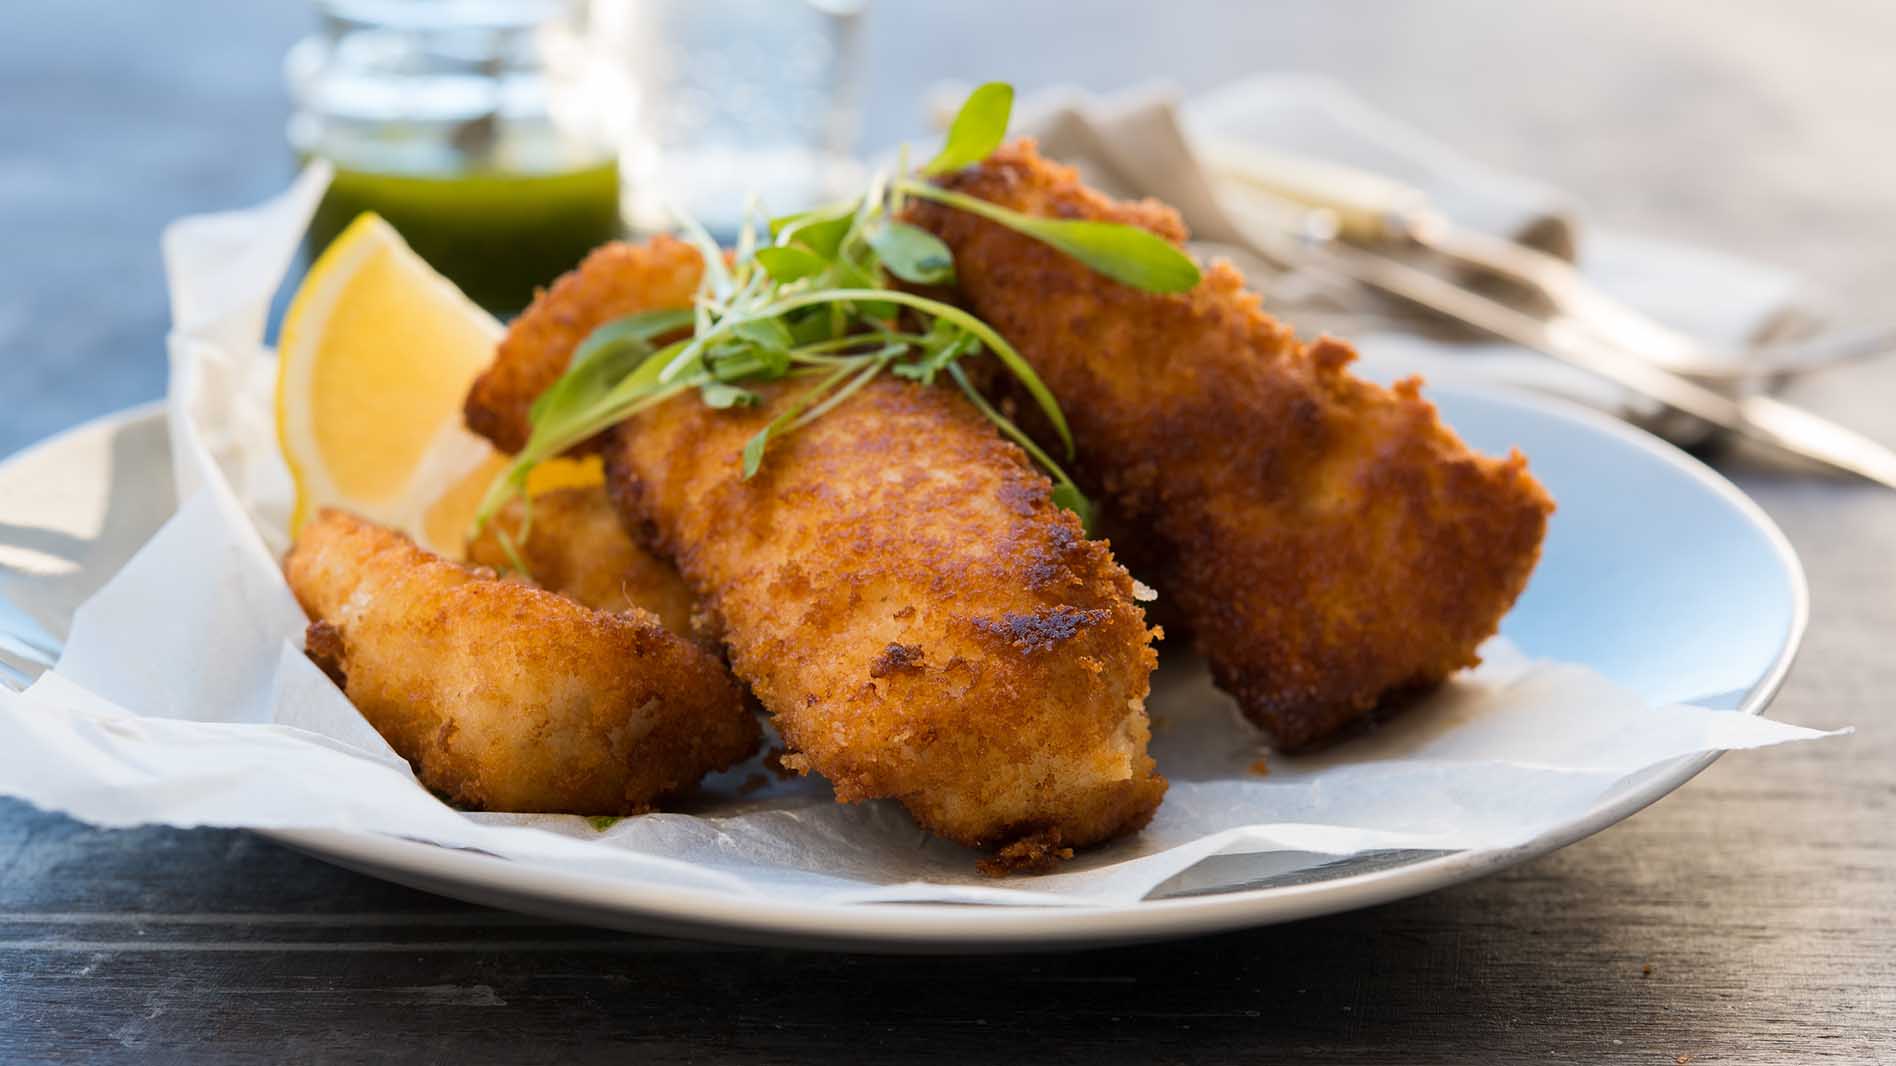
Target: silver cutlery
column 1311, row 215
column 1369, row 210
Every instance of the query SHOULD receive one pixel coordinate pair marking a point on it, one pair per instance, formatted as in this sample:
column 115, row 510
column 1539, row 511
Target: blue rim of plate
column 962, row 928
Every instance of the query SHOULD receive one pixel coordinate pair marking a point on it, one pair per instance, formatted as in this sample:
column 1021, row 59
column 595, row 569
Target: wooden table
column 1746, row 919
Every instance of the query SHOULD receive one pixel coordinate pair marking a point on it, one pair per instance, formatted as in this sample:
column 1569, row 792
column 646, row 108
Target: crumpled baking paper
column 182, row 698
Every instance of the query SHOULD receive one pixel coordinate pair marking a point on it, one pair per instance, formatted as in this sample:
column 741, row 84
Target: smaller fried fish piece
column 575, row 546
column 506, row 697
column 615, row 280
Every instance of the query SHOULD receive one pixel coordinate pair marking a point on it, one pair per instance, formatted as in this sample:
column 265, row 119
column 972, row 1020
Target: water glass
column 724, row 100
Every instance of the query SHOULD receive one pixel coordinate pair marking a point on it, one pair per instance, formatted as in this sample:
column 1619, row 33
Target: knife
column 1314, row 239
column 1370, row 209
column 1755, row 416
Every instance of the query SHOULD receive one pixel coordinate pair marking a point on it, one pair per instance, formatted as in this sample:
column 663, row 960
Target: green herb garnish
column 810, row 297
column 1128, row 254
column 912, row 253
column 978, row 129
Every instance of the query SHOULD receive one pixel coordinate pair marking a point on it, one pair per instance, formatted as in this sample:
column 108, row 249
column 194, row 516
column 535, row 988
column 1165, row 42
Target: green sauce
column 496, row 234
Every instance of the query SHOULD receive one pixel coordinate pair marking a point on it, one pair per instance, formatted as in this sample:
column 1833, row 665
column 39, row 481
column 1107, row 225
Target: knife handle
column 1366, row 207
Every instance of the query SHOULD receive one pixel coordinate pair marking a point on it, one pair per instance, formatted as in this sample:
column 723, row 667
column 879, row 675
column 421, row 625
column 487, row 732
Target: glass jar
column 732, row 99
column 446, row 117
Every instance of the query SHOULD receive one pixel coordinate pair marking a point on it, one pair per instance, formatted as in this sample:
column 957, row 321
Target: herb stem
column 1127, row 254
column 836, row 344
column 829, row 404
column 753, row 455
column 1006, row 426
column 994, row 341
column 973, row 205
column 512, row 481
column 512, row 552
column 839, row 262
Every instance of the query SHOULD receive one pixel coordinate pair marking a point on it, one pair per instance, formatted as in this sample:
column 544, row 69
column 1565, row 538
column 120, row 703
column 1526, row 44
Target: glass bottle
column 447, row 118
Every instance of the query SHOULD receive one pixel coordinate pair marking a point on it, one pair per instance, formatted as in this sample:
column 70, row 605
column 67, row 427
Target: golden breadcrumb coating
column 616, row 280
column 576, row 547
column 1328, row 541
column 895, row 584
column 505, row 697
column 922, row 622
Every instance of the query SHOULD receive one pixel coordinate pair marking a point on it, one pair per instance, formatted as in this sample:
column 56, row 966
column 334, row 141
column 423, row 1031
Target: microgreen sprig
column 810, row 296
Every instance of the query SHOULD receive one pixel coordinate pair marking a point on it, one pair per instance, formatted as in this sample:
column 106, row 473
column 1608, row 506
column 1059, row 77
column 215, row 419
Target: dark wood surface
column 1747, row 918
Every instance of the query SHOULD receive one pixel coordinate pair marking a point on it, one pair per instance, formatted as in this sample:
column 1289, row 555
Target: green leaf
column 754, row 449
column 978, row 128
column 944, row 344
column 821, row 231
column 750, row 363
column 603, row 822
column 607, row 356
column 962, row 344
column 756, row 348
column 1068, row 495
column 796, row 218
column 853, row 277
column 649, row 377
column 721, row 396
column 559, row 426
column 788, row 263
column 764, row 332
column 1128, row 254
column 810, row 326
column 995, row 343
column 912, row 253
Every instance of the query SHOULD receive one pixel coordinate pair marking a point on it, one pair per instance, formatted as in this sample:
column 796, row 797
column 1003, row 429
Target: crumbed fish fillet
column 1329, row 541
column 506, row 697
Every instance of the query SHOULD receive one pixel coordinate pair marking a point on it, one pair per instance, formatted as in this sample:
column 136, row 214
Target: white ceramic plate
column 1657, row 572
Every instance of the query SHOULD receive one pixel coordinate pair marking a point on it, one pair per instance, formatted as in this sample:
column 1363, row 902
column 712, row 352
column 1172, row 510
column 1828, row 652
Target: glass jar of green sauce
column 453, row 120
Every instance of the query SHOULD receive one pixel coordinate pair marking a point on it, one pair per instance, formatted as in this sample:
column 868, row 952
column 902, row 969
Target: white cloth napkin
column 1148, row 142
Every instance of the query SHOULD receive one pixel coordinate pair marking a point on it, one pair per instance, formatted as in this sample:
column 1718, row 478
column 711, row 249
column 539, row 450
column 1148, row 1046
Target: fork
column 1371, row 210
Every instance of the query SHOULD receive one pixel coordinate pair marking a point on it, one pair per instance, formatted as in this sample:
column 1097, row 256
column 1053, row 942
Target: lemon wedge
column 374, row 359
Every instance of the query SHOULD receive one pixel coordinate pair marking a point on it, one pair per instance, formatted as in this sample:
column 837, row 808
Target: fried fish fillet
column 897, row 588
column 506, row 697
column 1329, row 541
column 575, row 546
column 614, row 281
column 923, row 623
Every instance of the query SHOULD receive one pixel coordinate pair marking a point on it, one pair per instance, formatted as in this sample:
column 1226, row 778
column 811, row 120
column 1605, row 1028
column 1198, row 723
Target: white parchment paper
column 183, row 699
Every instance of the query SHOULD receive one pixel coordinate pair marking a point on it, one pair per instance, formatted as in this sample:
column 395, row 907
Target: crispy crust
column 852, row 578
column 1327, row 540
column 576, row 547
column 920, row 619
column 616, row 280
column 505, row 697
